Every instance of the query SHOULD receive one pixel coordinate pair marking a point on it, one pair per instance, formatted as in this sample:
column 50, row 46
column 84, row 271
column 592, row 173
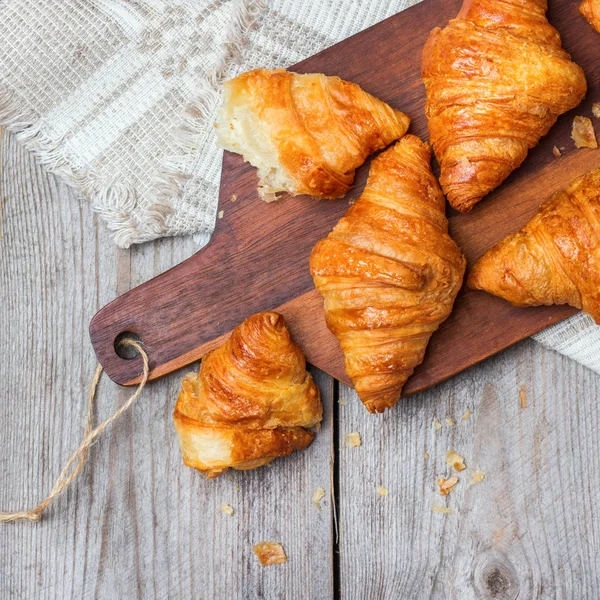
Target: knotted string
column 65, row 478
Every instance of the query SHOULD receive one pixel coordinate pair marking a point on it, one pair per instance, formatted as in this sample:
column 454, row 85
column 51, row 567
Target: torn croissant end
column 251, row 402
column 305, row 133
column 270, row 553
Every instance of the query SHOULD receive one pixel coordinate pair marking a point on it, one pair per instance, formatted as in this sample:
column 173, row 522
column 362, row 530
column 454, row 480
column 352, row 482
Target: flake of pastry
column 556, row 152
column 455, row 460
column 446, row 485
column 442, row 509
column 436, row 424
column 353, row 439
column 226, row 509
column 523, row 397
column 583, row 133
column 467, row 415
column 317, row 496
column 449, row 421
column 382, row 491
column 270, row 553
column 478, row 477
column 596, row 110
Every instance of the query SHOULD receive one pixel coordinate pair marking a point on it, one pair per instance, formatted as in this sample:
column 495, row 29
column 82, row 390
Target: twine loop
column 66, row 475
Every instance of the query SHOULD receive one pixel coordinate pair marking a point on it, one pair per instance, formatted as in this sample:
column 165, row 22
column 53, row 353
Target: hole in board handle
column 124, row 351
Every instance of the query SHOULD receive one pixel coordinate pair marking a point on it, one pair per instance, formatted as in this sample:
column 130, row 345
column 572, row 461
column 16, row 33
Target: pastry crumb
column 426, row 455
column 456, row 461
column 523, row 397
column 342, row 402
column 449, row 421
column 234, row 198
column 317, row 497
column 436, row 424
column 467, row 414
column 221, row 214
column 227, row 509
column 270, row 553
column 583, row 133
column 446, row 485
column 556, row 152
column 596, row 110
column 478, row 477
column 382, row 491
column 353, row 439
column 442, row 509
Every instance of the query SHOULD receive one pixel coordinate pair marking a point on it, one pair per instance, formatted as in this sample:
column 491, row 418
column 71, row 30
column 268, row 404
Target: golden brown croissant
column 250, row 402
column 496, row 80
column 389, row 273
column 555, row 258
column 590, row 9
column 306, row 134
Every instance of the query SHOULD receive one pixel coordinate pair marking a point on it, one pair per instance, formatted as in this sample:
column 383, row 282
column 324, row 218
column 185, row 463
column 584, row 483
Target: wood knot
column 495, row 578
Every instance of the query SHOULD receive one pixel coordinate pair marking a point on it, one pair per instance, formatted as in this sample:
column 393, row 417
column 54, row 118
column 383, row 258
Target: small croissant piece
column 389, row 273
column 306, row 134
column 496, row 80
column 250, row 402
column 555, row 258
column 590, row 9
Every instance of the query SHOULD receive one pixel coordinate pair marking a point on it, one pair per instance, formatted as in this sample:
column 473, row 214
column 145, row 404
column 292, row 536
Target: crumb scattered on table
column 382, row 491
column 221, row 213
column 317, row 497
column 426, row 455
column 342, row 402
column 442, row 509
column 227, row 509
column 234, row 197
column 523, row 397
column 556, row 152
column 583, row 133
column 596, row 110
column 446, row 485
column 478, row 477
column 455, row 460
column 353, row 439
column 270, row 553
column 436, row 424
column 449, row 421
column 467, row 414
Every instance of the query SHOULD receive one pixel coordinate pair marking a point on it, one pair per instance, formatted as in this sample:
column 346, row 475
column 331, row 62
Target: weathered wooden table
column 138, row 524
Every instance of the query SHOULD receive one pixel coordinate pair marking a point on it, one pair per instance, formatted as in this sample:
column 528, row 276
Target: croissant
column 389, row 273
column 590, row 9
column 496, row 80
column 250, row 402
column 555, row 258
column 306, row 134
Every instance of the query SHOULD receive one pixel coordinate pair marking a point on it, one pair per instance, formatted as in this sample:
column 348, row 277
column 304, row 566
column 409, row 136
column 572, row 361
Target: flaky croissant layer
column 306, row 134
column 389, row 273
column 496, row 80
column 555, row 258
column 251, row 401
column 590, row 9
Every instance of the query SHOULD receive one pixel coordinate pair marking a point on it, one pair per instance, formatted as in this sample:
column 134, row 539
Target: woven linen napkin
column 118, row 97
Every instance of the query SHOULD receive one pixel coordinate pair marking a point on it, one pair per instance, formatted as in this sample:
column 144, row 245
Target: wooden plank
column 530, row 530
column 264, row 249
column 137, row 523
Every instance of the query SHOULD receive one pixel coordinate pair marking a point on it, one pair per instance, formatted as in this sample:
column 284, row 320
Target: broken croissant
column 590, row 9
column 306, row 134
column 496, row 80
column 250, row 402
column 389, row 273
column 555, row 258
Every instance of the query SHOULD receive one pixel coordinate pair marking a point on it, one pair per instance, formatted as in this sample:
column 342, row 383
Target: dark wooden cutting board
column 258, row 256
